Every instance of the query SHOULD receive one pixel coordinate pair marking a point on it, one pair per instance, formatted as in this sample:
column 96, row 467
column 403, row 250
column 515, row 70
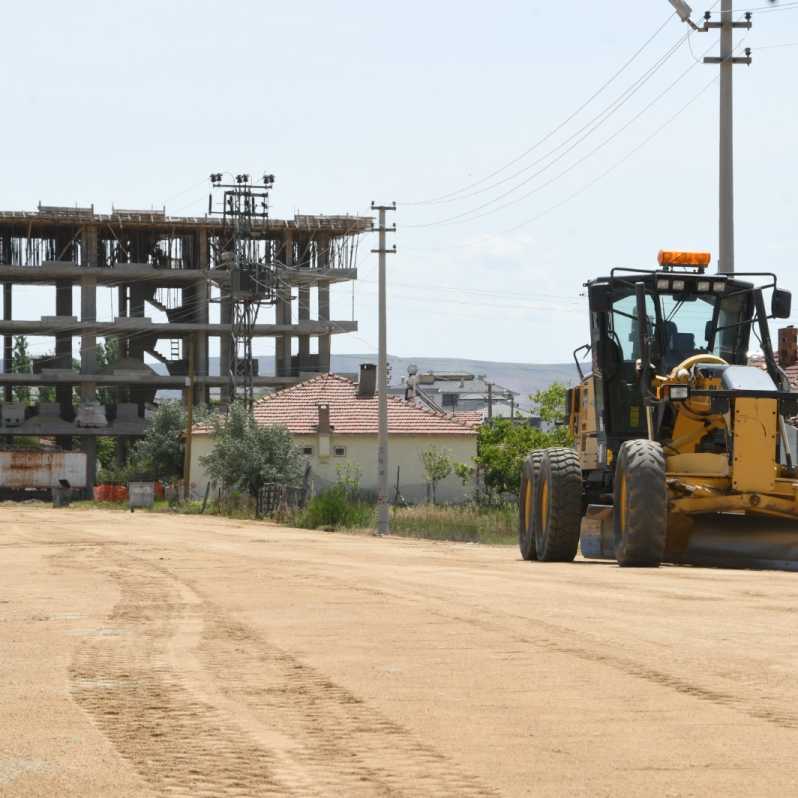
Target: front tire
column 558, row 505
column 641, row 504
column 526, row 506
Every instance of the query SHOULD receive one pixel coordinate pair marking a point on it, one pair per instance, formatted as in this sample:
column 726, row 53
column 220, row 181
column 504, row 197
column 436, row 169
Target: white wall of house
column 404, row 451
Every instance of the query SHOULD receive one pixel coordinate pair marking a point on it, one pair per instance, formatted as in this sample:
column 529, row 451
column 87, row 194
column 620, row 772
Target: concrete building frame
column 176, row 265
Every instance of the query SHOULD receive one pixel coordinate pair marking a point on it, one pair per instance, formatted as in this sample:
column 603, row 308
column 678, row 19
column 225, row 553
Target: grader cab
column 683, row 452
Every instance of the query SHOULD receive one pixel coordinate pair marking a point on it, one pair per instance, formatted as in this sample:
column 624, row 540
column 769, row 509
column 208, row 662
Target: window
column 307, row 451
column 339, row 451
column 449, row 399
column 623, row 329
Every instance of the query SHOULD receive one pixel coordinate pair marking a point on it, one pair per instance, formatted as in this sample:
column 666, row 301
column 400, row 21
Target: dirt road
column 156, row 655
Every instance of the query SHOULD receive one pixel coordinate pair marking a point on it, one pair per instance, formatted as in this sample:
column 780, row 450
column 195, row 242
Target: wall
column 403, row 451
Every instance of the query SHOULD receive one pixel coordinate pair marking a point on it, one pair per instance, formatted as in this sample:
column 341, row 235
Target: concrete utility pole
column 726, row 61
column 383, row 526
column 189, row 420
column 726, row 150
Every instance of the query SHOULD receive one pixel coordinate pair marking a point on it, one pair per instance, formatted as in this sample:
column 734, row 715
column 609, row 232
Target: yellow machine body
column 748, row 483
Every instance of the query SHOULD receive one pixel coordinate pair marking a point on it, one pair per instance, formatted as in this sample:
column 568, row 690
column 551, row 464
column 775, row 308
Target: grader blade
column 741, row 541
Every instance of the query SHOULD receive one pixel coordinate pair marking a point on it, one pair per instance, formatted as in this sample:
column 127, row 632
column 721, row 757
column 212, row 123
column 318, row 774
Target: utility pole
column 490, row 401
column 383, row 525
column 189, row 421
column 726, row 149
column 726, row 61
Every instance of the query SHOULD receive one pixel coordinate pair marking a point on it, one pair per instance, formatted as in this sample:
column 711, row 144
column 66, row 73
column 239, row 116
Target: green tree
column 550, row 403
column 21, row 364
column 245, row 456
column 159, row 454
column 503, row 446
column 437, row 466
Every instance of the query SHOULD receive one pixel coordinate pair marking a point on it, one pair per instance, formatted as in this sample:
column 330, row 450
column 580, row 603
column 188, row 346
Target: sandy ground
column 164, row 655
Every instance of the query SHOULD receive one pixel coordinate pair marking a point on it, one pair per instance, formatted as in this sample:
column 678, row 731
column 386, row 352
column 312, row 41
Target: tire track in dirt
column 558, row 639
column 179, row 745
column 249, row 719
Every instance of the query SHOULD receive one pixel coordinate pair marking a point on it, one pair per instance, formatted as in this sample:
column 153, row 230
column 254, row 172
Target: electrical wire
column 459, row 219
column 554, row 130
column 577, row 138
column 776, row 46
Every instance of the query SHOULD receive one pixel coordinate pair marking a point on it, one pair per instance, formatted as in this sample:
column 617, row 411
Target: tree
column 503, row 446
column 246, row 456
column 21, row 364
column 437, row 466
column 159, row 455
column 550, row 403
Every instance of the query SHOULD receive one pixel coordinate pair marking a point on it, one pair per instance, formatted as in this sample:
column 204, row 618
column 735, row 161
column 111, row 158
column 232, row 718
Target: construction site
column 161, row 288
column 478, row 480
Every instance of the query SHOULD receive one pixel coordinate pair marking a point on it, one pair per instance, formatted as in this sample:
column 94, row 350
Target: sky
column 466, row 114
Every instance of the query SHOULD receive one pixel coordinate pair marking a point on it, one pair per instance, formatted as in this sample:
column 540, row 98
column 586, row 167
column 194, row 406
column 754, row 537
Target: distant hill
column 524, row 378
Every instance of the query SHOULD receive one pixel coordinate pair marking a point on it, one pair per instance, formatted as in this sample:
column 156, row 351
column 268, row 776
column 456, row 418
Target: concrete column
column 63, row 357
column 121, row 313
column 324, row 305
column 8, row 340
column 283, row 312
column 202, row 396
column 88, row 365
column 89, row 246
column 303, row 313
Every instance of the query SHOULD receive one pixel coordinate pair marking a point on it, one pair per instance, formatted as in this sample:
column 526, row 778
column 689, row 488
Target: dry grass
column 466, row 523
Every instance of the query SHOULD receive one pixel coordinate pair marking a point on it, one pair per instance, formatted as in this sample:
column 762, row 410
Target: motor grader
column 683, row 452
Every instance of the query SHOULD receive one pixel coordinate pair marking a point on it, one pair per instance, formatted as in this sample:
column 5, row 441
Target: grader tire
column 526, row 506
column 641, row 504
column 558, row 505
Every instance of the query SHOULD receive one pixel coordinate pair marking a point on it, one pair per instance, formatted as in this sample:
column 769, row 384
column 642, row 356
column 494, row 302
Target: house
column 458, row 392
column 335, row 422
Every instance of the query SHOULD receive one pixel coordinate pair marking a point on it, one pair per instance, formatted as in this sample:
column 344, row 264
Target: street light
column 682, row 9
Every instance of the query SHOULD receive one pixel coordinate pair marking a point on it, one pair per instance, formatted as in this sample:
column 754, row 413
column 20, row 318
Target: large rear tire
column 526, row 506
column 641, row 504
column 558, row 505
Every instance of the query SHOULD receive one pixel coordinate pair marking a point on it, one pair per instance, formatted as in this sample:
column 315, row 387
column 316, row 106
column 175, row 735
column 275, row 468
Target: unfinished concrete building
column 154, row 262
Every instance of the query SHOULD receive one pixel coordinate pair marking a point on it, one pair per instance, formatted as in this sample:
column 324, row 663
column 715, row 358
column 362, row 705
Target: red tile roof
column 297, row 409
column 790, row 371
column 474, row 418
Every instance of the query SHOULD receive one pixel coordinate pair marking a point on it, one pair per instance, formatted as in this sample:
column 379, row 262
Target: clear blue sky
column 134, row 103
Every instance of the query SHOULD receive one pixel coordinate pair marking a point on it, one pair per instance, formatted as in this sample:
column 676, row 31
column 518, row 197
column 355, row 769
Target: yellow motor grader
column 682, row 451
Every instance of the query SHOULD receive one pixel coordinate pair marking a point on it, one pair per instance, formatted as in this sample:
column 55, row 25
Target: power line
column 557, row 128
column 577, row 138
column 776, row 46
column 591, row 127
column 500, row 234
column 459, row 219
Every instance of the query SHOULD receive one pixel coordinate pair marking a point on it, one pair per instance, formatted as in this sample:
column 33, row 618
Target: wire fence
column 274, row 498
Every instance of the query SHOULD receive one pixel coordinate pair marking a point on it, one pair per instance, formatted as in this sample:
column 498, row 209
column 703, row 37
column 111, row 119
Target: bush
column 245, row 456
column 159, row 455
column 333, row 509
column 503, row 446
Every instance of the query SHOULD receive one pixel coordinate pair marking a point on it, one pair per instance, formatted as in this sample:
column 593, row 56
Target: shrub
column 245, row 456
column 437, row 466
column 334, row 508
